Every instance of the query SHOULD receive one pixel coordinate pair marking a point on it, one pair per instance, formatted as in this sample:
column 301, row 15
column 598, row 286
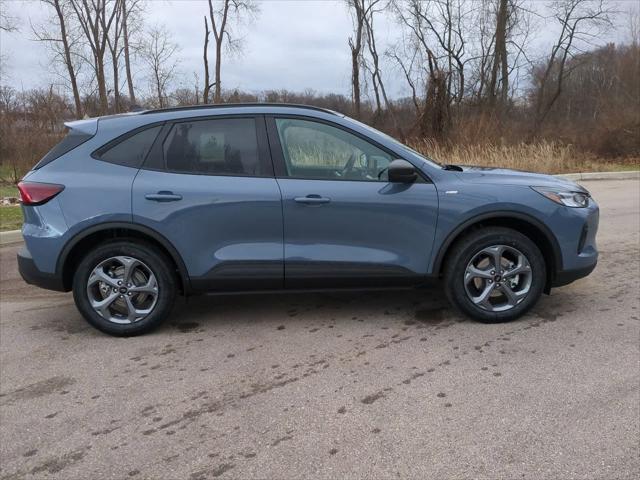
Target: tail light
column 32, row 193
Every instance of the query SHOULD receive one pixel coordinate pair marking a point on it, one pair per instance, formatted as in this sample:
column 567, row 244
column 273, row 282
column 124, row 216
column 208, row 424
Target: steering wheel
column 348, row 166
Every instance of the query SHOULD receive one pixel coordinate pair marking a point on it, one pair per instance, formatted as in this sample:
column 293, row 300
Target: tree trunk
column 159, row 89
column 92, row 19
column 205, row 56
column 434, row 117
column 217, row 96
column 219, row 31
column 460, row 80
column 376, row 94
column 500, row 56
column 356, row 48
column 127, row 58
column 116, row 80
column 102, row 85
column 504, row 92
column 355, row 80
column 67, row 59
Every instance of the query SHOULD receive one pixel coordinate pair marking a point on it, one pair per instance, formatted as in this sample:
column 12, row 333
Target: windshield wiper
column 455, row 168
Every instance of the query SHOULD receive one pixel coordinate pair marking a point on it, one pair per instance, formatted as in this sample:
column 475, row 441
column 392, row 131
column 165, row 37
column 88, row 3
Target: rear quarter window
column 129, row 150
column 73, row 139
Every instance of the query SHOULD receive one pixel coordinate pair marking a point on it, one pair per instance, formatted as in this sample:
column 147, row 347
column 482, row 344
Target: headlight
column 564, row 197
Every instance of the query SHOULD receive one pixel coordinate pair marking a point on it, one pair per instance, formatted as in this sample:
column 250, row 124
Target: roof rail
column 233, row 105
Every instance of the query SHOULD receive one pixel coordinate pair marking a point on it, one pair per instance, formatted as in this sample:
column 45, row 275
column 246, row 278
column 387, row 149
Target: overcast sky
column 292, row 44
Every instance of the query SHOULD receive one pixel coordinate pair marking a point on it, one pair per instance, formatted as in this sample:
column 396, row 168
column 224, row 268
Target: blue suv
column 130, row 210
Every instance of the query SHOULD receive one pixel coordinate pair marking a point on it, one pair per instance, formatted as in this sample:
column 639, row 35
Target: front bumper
column 30, row 273
column 565, row 277
column 579, row 247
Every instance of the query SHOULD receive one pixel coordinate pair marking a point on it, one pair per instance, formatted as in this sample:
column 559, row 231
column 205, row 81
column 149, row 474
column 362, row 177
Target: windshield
column 397, row 143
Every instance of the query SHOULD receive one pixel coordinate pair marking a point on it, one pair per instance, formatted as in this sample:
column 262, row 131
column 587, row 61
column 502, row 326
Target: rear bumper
column 30, row 273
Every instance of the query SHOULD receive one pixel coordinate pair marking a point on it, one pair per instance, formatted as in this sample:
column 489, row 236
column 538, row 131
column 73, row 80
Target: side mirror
column 401, row 171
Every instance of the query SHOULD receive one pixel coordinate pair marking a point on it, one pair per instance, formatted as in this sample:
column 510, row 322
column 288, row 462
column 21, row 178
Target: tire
column 465, row 288
column 151, row 271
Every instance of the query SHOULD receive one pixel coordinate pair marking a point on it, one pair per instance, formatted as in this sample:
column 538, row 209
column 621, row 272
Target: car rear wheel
column 124, row 288
column 495, row 274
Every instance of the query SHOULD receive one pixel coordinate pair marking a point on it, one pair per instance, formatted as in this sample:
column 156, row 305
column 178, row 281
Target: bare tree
column 511, row 32
column 8, row 23
column 374, row 67
column 158, row 54
column 447, row 28
column 633, row 25
column 500, row 55
column 129, row 9
column 442, row 22
column 115, row 49
column 222, row 19
column 355, row 45
column 95, row 18
column 484, row 21
column 205, row 56
column 62, row 44
column 579, row 22
column 407, row 63
column 499, row 35
column 416, row 16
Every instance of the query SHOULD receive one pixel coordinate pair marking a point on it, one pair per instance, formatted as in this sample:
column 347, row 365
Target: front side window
column 316, row 150
column 226, row 146
column 131, row 151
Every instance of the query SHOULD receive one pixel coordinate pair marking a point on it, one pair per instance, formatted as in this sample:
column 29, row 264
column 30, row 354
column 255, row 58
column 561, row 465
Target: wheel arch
column 535, row 230
column 71, row 252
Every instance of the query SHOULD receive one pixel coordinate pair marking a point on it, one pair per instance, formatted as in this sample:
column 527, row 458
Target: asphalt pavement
column 358, row 385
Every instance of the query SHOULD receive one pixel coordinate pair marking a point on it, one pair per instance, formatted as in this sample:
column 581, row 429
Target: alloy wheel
column 122, row 290
column 498, row 278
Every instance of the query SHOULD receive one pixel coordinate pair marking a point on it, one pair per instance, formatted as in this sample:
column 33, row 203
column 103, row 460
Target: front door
column 344, row 223
column 208, row 187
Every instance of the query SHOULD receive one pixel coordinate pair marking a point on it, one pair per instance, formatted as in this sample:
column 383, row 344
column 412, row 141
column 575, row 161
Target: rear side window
column 73, row 139
column 131, row 150
column 226, row 146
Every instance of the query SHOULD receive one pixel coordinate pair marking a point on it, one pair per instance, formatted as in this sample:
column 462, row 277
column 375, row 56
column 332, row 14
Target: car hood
column 504, row 176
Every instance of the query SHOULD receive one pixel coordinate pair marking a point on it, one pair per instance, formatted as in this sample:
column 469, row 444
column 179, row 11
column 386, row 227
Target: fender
column 175, row 255
column 499, row 214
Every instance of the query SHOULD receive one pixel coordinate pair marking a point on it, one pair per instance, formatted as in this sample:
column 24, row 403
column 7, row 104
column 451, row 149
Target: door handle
column 312, row 200
column 163, row 196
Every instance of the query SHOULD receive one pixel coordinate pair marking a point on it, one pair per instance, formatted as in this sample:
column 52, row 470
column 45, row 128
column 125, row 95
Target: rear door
column 345, row 224
column 208, row 187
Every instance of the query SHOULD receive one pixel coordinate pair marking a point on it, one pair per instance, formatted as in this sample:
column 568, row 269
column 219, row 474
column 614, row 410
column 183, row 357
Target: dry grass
column 10, row 218
column 542, row 157
column 545, row 157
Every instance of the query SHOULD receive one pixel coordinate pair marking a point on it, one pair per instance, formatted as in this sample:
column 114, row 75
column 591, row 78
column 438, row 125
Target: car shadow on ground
column 424, row 305
column 390, row 308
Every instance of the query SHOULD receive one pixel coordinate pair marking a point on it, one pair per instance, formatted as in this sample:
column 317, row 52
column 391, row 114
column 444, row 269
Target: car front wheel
column 124, row 288
column 495, row 274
